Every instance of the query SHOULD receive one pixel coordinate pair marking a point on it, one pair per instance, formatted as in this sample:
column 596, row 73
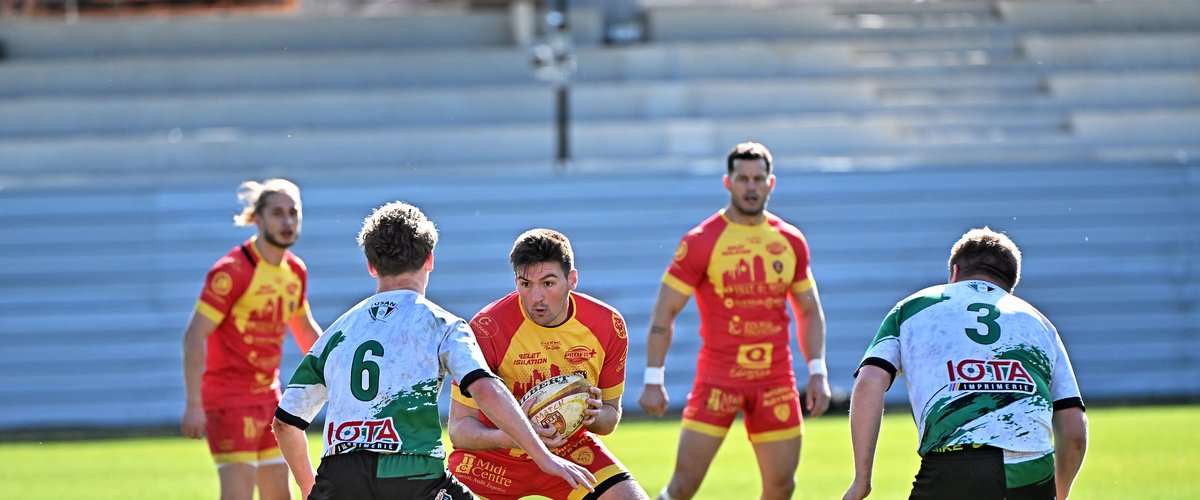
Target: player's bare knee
column 625, row 490
column 778, row 487
column 683, row 488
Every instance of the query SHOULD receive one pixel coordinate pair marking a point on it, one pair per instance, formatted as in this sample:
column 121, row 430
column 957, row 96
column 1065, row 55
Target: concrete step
column 369, row 70
column 908, row 16
column 188, row 36
column 1151, row 15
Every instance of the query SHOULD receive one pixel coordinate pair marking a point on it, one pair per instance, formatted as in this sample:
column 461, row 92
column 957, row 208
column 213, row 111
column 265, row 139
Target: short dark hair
column 748, row 151
column 397, row 238
column 542, row 245
column 983, row 251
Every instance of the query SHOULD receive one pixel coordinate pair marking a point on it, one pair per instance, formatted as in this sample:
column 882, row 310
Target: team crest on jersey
column 222, row 283
column 379, row 311
column 993, row 375
column 681, row 251
column 778, row 266
column 982, row 287
column 485, row 327
column 583, row 456
column 619, row 326
column 782, row 412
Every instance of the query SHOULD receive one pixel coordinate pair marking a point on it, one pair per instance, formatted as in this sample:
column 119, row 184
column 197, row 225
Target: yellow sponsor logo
column 778, row 395
column 490, row 473
column 753, row 328
column 714, row 400
column 755, row 356
column 720, row 402
column 250, row 429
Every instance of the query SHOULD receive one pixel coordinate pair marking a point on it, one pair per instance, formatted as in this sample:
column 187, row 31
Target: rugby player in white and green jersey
column 989, row 381
column 380, row 367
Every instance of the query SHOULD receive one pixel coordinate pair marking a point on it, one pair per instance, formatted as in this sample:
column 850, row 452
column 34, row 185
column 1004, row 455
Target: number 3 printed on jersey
column 988, row 319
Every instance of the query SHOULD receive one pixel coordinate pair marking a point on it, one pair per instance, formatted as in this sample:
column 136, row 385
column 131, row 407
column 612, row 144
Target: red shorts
column 242, row 434
column 499, row 475
column 771, row 412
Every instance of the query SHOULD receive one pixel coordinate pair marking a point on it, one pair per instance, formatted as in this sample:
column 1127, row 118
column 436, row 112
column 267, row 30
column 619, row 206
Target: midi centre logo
column 490, row 474
column 990, row 375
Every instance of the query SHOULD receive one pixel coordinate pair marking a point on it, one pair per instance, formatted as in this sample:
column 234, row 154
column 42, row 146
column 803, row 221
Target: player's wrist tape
column 655, row 375
column 816, row 366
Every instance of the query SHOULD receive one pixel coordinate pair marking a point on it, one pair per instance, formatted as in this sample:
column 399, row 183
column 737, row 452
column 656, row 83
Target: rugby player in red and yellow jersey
column 250, row 297
column 744, row 265
column 542, row 330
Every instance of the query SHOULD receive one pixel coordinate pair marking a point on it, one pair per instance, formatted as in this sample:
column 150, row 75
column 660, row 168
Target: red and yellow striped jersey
column 251, row 301
column 741, row 276
column 593, row 342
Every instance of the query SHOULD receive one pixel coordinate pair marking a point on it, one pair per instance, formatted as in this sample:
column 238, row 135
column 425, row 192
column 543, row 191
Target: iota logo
column 379, row 311
column 362, row 435
column 993, row 375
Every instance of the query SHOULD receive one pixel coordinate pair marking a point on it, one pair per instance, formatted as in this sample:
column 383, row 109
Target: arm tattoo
column 658, row 330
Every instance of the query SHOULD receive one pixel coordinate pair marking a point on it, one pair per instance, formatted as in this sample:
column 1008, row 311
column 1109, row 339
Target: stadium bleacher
column 1073, row 126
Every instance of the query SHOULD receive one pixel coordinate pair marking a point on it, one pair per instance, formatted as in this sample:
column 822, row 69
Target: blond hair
column 253, row 196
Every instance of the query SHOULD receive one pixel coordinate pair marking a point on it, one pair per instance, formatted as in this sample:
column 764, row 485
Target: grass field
column 1144, row 452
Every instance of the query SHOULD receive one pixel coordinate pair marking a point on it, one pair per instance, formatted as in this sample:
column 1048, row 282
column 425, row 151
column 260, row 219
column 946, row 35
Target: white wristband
column 816, row 366
column 655, row 375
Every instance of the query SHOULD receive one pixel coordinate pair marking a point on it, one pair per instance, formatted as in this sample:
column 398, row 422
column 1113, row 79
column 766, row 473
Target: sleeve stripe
column 290, row 419
column 803, row 286
column 613, row 392
column 880, row 363
column 1065, row 403
column 464, row 384
column 677, row 284
column 210, row 312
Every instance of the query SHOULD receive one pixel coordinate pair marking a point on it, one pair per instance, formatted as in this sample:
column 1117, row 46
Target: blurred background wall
column 125, row 127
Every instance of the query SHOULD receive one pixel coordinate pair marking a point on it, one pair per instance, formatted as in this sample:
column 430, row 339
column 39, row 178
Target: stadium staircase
column 896, row 126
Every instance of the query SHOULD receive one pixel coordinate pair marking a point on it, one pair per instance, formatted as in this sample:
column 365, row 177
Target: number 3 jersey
column 380, row 366
column 981, row 366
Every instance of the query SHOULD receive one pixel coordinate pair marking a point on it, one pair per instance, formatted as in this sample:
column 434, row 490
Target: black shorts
column 353, row 476
column 975, row 473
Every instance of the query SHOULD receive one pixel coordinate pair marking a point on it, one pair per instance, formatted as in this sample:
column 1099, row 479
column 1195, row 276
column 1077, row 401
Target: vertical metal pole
column 562, row 89
column 563, row 121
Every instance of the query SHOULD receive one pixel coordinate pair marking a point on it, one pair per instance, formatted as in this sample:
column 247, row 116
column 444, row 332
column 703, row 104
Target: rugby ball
column 560, row 403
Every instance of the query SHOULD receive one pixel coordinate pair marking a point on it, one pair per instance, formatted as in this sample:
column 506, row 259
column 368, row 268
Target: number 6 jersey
column 981, row 366
column 381, row 366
